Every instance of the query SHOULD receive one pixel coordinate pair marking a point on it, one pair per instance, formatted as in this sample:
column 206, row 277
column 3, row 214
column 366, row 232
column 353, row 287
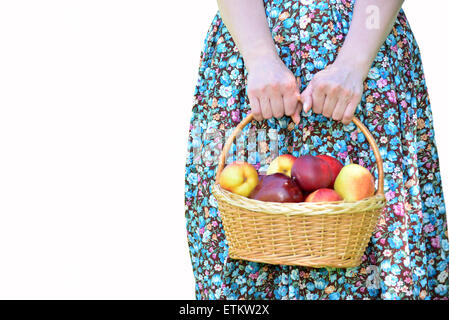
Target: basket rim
column 375, row 202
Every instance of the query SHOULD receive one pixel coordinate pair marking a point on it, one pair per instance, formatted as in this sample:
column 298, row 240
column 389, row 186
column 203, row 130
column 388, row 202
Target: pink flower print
column 389, row 195
column 254, row 275
column 399, row 209
column 428, row 228
column 391, row 96
column 235, row 115
column 435, row 242
column 382, row 83
column 404, row 104
column 343, row 155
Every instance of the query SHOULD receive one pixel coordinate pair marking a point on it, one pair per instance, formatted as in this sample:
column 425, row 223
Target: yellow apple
column 239, row 178
column 282, row 164
column 354, row 182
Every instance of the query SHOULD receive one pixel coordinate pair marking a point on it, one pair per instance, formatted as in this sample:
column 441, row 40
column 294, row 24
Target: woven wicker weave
column 319, row 234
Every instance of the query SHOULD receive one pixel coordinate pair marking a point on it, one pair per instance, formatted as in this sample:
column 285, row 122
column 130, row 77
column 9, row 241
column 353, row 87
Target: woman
column 346, row 57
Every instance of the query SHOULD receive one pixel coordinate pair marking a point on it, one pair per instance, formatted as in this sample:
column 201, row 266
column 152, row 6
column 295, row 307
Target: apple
column 239, row 177
column 277, row 187
column 323, row 194
column 311, row 173
column 282, row 164
column 354, row 182
column 334, row 164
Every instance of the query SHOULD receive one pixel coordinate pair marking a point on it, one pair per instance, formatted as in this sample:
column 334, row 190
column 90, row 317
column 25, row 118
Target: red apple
column 311, row 173
column 323, row 194
column 277, row 187
column 334, row 164
column 282, row 164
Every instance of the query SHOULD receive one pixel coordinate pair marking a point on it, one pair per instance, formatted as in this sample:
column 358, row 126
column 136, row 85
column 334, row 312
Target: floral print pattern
column 407, row 257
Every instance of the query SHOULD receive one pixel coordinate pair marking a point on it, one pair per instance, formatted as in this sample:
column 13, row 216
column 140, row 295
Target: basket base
column 312, row 262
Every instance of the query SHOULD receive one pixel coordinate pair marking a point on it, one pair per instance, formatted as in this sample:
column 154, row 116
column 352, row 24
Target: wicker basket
column 320, row 234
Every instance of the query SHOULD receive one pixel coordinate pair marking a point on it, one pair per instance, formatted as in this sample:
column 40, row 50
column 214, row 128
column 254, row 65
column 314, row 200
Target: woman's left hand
column 335, row 92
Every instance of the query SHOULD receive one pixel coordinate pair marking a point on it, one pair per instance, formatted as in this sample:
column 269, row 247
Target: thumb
column 306, row 97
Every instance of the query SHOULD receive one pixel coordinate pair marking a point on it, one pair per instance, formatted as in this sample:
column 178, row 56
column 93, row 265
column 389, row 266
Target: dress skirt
column 407, row 257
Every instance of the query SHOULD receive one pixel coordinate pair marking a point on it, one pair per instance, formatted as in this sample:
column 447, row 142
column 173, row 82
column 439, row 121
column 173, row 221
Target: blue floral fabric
column 407, row 257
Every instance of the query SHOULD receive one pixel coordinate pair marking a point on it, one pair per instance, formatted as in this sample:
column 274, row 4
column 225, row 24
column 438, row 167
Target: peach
column 334, row 164
column 354, row 182
column 322, row 195
column 239, row 178
column 311, row 173
column 282, row 164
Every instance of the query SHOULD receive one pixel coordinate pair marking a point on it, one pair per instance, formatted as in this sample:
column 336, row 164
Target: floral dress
column 407, row 257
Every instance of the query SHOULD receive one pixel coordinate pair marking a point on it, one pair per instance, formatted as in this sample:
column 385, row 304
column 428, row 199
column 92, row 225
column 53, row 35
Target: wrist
column 358, row 63
column 259, row 55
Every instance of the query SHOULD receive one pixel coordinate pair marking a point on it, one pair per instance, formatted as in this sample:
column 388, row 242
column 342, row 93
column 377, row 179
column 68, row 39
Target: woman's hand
column 273, row 90
column 335, row 92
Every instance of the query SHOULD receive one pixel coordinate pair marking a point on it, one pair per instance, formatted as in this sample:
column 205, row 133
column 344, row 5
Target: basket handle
column 361, row 126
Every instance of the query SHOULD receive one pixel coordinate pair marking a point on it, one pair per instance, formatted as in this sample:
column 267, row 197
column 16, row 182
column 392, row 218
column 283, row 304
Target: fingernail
column 296, row 119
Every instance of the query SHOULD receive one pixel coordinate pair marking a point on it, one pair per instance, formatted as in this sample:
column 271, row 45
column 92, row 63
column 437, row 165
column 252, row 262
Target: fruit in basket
column 311, row 173
column 239, row 177
column 354, row 182
column 277, row 187
column 334, row 164
column 282, row 164
column 323, row 195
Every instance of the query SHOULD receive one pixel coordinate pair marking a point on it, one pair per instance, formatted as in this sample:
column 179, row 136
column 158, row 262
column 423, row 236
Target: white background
column 95, row 100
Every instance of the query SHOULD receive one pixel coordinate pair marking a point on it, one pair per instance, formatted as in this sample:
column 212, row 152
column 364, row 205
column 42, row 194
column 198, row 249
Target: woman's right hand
column 273, row 90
